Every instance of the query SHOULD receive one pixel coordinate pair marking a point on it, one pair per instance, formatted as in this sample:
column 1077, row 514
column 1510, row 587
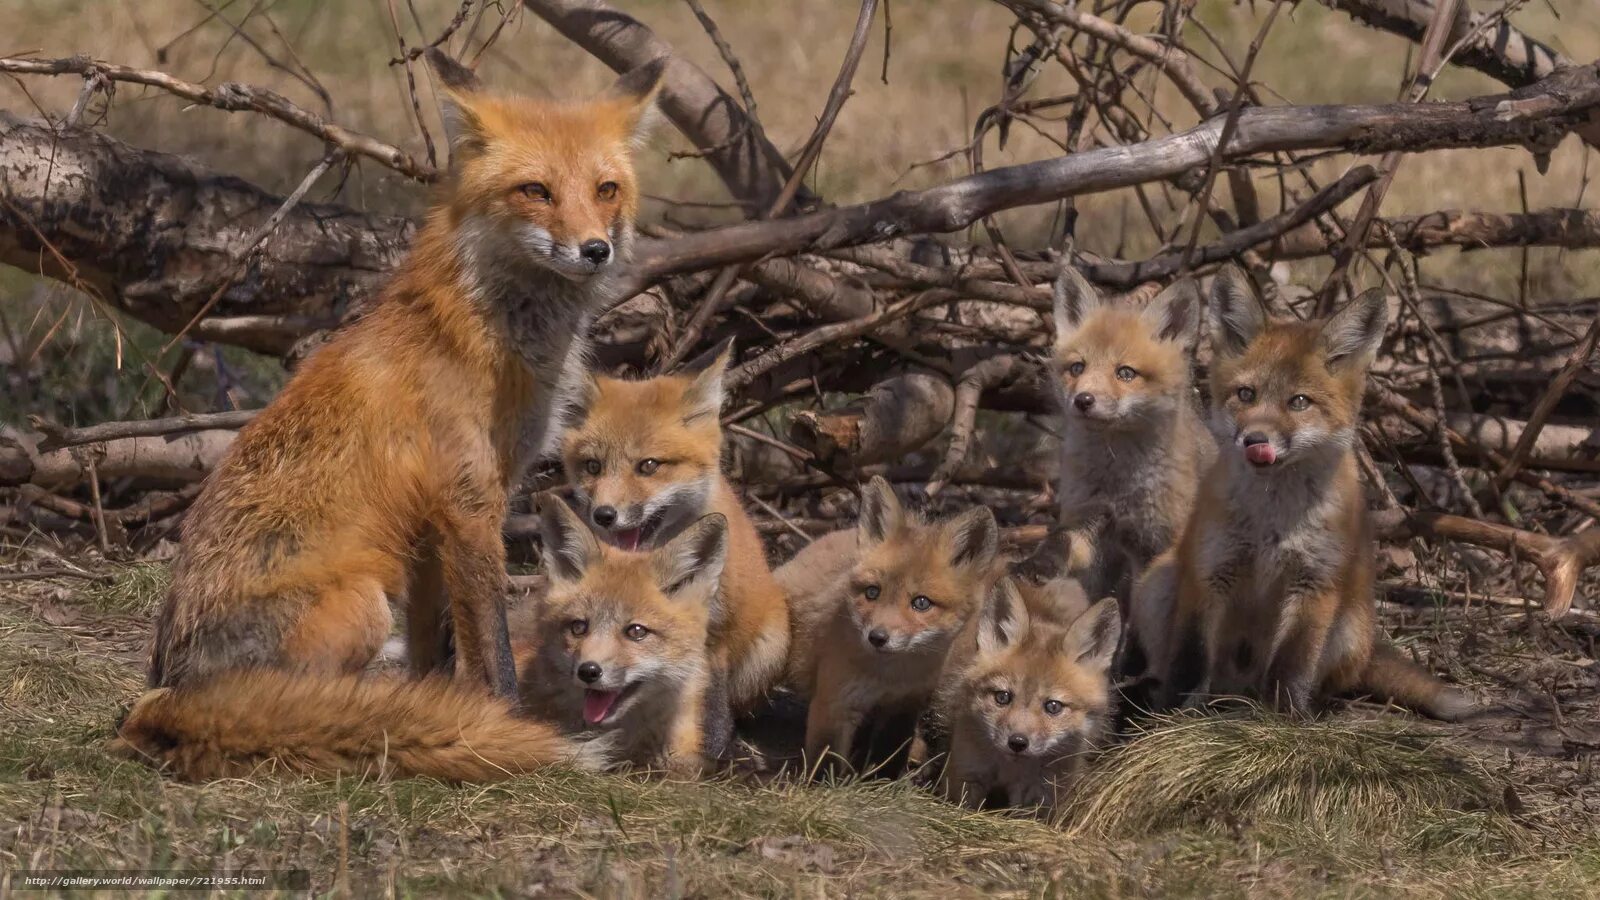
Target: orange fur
column 381, row 469
column 1273, row 574
column 671, row 422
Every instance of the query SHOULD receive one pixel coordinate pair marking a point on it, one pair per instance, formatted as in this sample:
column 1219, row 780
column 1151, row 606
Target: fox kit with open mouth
column 1273, row 576
column 876, row 611
column 1032, row 698
column 621, row 643
column 645, row 460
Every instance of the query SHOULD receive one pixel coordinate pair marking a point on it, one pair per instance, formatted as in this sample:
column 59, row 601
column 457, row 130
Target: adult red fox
column 381, row 470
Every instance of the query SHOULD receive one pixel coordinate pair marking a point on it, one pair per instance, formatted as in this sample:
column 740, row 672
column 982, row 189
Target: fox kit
column 876, row 612
column 621, row 644
column 1132, row 442
column 381, row 470
column 1032, row 699
column 1273, row 574
column 645, row 461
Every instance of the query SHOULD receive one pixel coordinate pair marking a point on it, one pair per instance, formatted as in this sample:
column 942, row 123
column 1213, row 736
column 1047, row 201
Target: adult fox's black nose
column 877, row 637
column 596, row 251
column 604, row 516
column 589, row 672
column 1256, row 437
column 1017, row 743
column 1084, row 401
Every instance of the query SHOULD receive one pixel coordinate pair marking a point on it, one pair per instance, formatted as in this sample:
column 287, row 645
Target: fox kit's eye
column 1002, row 698
column 1126, row 373
column 1054, row 707
column 1299, row 402
column 921, row 603
column 649, row 466
column 607, row 190
column 592, row 466
column 1075, row 369
column 872, row 592
column 636, row 632
column 578, row 627
column 1247, row 394
column 533, row 190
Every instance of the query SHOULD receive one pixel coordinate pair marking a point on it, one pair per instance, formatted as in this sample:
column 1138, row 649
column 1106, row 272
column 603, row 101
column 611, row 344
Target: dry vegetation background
column 1363, row 803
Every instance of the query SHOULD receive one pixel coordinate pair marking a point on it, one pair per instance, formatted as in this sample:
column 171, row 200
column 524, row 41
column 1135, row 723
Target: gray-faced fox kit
column 1273, row 577
column 645, row 461
column 382, row 469
column 1132, row 441
column 1031, row 698
column 621, row 642
column 875, row 612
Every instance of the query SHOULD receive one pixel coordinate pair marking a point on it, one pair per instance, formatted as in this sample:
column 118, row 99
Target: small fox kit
column 381, row 471
column 621, row 643
column 645, row 461
column 1132, row 443
column 1032, row 699
column 875, row 614
column 1273, row 574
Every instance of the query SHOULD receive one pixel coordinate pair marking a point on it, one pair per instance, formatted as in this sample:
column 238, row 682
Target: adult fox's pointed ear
column 637, row 90
column 461, row 86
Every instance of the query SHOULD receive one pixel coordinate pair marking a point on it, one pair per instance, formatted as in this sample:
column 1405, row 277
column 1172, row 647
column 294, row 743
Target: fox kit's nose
column 1017, row 743
column 595, row 251
column 1084, row 401
column 604, row 516
column 877, row 637
column 589, row 672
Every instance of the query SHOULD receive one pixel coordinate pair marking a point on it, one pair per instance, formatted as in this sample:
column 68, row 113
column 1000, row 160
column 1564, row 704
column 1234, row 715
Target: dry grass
column 1220, row 805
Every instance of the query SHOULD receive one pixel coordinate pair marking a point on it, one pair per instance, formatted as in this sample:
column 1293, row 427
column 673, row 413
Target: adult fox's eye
column 607, row 190
column 533, row 190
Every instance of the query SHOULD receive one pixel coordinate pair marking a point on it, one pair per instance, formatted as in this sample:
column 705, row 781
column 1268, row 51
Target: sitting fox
column 622, row 639
column 645, row 461
column 382, row 469
column 1033, row 696
column 1270, row 587
column 875, row 612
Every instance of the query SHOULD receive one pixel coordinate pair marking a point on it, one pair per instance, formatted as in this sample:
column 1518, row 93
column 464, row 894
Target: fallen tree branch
column 1561, row 560
column 233, row 97
column 56, row 437
column 1500, row 51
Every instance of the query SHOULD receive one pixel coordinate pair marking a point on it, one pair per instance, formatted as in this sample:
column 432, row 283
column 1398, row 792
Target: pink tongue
column 1261, row 454
column 597, row 704
column 629, row 539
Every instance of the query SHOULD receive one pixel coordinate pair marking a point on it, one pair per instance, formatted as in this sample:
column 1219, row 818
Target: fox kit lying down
column 1031, row 698
column 1273, row 577
column 1132, row 442
column 875, row 612
column 645, row 461
column 621, row 639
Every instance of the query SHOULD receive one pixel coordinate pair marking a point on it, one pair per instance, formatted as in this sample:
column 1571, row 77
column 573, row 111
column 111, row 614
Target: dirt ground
column 1360, row 802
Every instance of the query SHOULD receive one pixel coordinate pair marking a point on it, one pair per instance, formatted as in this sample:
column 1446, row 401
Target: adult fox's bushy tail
column 241, row 722
column 1391, row 676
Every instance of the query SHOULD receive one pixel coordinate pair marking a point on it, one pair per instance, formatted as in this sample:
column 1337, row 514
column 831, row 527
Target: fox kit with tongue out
column 645, row 460
column 1273, row 574
column 621, row 643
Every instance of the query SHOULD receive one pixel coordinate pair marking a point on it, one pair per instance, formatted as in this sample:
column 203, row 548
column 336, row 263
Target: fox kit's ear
column 1004, row 619
column 694, row 558
column 703, row 397
column 1074, row 297
column 1350, row 337
column 1092, row 639
column 1236, row 313
column 638, row 89
column 569, row 547
column 881, row 512
column 1174, row 314
column 974, row 538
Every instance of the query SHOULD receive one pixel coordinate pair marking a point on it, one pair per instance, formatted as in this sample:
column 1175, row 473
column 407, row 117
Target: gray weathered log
column 1501, row 51
column 156, row 235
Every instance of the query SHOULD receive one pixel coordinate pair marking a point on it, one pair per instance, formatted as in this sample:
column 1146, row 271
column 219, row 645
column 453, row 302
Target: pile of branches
column 868, row 342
